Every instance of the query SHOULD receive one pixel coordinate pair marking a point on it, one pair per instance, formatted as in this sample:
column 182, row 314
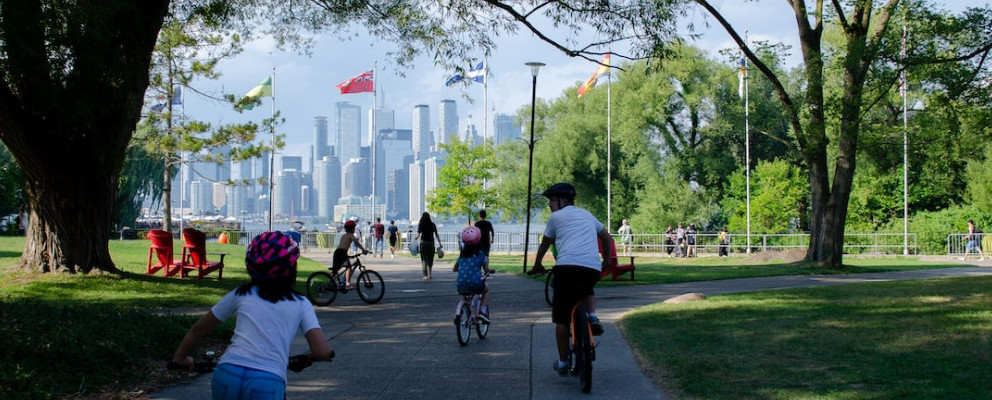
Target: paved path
column 405, row 346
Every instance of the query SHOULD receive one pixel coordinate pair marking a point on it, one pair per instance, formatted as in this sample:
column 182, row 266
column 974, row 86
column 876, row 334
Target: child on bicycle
column 471, row 263
column 268, row 314
column 340, row 259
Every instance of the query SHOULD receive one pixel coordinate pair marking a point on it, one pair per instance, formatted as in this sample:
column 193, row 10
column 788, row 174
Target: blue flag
column 476, row 73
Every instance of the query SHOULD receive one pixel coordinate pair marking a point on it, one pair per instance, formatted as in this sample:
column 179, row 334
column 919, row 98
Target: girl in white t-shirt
column 269, row 314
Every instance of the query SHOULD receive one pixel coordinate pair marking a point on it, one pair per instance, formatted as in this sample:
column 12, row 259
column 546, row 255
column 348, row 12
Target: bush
column 932, row 227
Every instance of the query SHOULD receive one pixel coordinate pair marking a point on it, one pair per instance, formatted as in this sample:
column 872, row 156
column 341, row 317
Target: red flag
column 361, row 83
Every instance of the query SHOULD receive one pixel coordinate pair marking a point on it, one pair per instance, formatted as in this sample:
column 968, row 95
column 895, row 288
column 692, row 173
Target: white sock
column 562, row 364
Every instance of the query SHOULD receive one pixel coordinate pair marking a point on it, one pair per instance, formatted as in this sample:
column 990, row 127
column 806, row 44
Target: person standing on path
column 379, row 230
column 626, row 237
column 974, row 238
column 426, row 233
column 393, row 237
column 574, row 231
column 268, row 313
column 488, row 234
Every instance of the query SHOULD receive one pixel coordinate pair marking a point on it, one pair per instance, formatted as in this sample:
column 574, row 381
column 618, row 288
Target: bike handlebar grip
column 299, row 362
column 174, row 366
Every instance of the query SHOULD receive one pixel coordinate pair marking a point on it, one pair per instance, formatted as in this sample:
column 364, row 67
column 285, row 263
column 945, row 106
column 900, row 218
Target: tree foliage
column 463, row 179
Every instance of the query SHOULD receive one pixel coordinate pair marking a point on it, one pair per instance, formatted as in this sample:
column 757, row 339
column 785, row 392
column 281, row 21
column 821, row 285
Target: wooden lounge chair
column 162, row 249
column 195, row 255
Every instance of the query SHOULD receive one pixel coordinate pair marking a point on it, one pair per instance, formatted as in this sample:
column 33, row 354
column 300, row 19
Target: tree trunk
column 71, row 95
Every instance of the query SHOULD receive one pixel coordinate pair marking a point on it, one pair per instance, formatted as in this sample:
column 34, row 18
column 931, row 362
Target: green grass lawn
column 103, row 336
column 893, row 340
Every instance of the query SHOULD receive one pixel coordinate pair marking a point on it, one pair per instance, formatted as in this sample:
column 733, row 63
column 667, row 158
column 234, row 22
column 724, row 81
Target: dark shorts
column 572, row 283
column 340, row 259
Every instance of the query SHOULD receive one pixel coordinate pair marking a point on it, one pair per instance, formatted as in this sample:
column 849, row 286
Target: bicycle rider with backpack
column 574, row 232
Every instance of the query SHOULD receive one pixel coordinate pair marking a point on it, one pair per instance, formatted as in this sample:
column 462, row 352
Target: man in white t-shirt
column 578, row 266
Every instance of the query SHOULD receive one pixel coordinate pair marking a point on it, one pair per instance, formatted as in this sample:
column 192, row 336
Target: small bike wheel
column 583, row 348
column 370, row 286
column 464, row 328
column 483, row 328
column 321, row 289
column 549, row 287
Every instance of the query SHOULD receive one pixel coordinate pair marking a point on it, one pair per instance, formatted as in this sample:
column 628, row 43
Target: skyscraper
column 423, row 139
column 327, row 180
column 320, row 147
column 448, row 127
column 348, row 131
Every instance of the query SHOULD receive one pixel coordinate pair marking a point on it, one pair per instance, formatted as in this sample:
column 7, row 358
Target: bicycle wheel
column 583, row 347
column 321, row 289
column 549, row 287
column 483, row 328
column 463, row 328
column 370, row 286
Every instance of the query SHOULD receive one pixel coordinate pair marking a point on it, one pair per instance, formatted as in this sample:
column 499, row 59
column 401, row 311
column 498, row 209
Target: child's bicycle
column 208, row 362
column 322, row 288
column 467, row 315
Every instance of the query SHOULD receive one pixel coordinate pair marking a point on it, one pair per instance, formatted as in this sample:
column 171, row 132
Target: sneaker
column 981, row 259
column 961, row 258
column 597, row 327
column 484, row 318
column 562, row 370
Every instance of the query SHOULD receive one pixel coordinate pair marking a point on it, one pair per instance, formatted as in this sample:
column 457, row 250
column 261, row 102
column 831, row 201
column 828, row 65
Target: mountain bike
column 322, row 288
column 467, row 315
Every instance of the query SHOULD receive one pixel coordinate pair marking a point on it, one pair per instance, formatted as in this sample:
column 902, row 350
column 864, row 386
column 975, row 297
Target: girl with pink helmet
column 471, row 264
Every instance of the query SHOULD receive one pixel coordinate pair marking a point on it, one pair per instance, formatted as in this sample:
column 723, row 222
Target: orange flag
column 603, row 69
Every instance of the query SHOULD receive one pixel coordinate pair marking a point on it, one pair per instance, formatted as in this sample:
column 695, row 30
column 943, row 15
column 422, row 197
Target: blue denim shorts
column 232, row 382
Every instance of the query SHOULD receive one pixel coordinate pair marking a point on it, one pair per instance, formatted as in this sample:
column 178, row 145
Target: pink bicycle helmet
column 271, row 255
column 471, row 235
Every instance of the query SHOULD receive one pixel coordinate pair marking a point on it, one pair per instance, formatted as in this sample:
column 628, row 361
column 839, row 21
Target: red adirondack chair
column 616, row 269
column 195, row 255
column 162, row 249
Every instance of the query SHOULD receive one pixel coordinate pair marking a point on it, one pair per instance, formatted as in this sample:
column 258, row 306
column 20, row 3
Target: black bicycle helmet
column 562, row 189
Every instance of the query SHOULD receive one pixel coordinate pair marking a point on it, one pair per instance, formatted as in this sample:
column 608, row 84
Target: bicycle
column 208, row 362
column 322, row 288
column 467, row 314
column 581, row 342
column 581, row 347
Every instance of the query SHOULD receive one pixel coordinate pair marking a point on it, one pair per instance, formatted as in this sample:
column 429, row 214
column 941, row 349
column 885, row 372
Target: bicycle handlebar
column 297, row 363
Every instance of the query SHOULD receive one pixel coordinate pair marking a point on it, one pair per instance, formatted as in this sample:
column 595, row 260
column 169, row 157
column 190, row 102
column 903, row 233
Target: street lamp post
column 534, row 68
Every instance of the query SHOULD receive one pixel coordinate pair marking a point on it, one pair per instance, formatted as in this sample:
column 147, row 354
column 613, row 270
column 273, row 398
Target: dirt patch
column 789, row 256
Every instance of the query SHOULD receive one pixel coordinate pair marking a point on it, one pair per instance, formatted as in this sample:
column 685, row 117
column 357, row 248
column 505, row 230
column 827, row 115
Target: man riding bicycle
column 574, row 232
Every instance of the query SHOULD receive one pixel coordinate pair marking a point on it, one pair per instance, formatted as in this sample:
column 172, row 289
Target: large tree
column 863, row 26
column 72, row 82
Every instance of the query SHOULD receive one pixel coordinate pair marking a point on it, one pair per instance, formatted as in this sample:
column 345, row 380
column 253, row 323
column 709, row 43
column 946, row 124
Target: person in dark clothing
column 488, row 234
column 426, row 233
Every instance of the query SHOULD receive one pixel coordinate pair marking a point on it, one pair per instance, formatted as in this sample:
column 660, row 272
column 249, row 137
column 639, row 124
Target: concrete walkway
column 405, row 346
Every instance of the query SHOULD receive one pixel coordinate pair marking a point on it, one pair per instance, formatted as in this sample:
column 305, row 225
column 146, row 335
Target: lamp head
column 534, row 67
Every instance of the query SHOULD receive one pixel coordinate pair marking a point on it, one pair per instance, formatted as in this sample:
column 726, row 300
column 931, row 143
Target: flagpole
column 485, row 104
column 272, row 153
column 372, row 139
column 747, row 146
column 609, row 154
column 182, row 172
column 905, row 151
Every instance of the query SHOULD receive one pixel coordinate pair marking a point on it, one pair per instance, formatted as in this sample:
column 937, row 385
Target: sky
column 304, row 86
